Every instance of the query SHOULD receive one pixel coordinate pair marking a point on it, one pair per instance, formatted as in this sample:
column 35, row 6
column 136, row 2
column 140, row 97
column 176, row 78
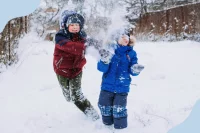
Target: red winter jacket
column 69, row 58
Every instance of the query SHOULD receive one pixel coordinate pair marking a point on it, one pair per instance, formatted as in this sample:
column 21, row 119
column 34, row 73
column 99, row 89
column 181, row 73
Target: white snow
column 161, row 97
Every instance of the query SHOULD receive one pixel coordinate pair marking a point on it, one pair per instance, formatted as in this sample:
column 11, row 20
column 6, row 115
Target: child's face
column 74, row 28
column 123, row 40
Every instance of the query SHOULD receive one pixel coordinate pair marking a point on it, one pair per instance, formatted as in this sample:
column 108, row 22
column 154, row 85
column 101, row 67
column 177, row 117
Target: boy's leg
column 106, row 106
column 79, row 99
column 120, row 111
column 64, row 84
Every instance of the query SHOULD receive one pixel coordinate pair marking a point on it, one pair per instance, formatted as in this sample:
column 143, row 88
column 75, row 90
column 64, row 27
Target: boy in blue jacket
column 116, row 80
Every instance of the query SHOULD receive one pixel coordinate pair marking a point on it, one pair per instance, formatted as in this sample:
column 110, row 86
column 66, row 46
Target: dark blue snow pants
column 113, row 108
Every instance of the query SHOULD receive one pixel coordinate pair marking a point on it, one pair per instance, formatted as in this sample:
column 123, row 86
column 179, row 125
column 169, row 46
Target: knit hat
column 120, row 32
column 68, row 17
column 74, row 19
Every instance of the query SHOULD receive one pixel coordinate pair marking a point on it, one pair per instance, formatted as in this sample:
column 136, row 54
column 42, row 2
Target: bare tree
column 135, row 8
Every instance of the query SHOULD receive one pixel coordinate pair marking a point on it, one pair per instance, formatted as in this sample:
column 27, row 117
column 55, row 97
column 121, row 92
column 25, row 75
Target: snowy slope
column 161, row 97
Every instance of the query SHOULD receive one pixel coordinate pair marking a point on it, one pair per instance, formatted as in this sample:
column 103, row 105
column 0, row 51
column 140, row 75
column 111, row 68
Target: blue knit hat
column 74, row 19
column 68, row 17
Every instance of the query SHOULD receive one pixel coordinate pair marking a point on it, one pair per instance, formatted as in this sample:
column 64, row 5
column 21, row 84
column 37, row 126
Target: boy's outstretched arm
column 93, row 42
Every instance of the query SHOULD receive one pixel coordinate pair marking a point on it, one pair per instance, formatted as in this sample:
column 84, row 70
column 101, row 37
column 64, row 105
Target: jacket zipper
column 59, row 62
column 117, row 65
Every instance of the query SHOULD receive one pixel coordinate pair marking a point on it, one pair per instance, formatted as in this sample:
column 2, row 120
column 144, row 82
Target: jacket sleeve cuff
column 101, row 66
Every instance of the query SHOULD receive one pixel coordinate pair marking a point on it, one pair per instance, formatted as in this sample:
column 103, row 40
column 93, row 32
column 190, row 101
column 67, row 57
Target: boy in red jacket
column 69, row 60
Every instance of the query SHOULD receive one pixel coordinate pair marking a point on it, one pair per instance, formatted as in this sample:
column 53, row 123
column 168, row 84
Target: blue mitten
column 137, row 68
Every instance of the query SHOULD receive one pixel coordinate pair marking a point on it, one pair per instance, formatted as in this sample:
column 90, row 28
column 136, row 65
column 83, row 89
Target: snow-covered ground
column 161, row 97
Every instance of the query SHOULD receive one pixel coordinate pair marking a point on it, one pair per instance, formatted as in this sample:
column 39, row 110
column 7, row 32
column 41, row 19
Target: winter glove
column 106, row 56
column 137, row 68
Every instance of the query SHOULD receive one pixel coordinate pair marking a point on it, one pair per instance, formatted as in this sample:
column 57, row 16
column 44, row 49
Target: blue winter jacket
column 116, row 75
